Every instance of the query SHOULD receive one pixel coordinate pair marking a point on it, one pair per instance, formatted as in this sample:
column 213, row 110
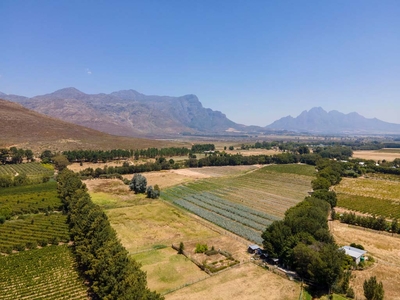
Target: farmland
column 148, row 227
column 34, row 229
column 31, row 198
column 34, row 171
column 46, row 273
column 372, row 196
column 388, row 154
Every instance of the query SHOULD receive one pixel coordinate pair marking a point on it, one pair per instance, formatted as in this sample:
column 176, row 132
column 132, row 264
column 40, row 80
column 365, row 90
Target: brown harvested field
column 169, row 178
column 388, row 154
column 384, row 248
column 245, row 282
column 253, row 152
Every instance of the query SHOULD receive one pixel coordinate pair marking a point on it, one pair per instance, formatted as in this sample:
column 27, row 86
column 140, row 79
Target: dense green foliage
column 373, row 290
column 138, row 184
column 14, row 155
column 199, row 148
column 100, row 255
column 46, row 273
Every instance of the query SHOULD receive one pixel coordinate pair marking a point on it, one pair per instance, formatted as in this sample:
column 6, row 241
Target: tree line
column 99, row 254
column 15, row 155
column 372, row 222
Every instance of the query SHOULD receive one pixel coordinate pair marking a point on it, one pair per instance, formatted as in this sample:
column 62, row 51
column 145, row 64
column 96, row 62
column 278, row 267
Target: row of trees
column 372, row 222
column 100, row 255
column 14, row 155
column 302, row 240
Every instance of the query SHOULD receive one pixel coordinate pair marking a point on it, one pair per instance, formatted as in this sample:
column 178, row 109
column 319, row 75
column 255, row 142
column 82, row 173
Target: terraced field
column 372, row 196
column 46, row 273
column 245, row 204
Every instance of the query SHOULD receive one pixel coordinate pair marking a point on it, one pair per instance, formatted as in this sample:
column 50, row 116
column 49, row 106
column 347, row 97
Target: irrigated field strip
column 255, row 200
column 35, row 228
column 31, row 198
column 46, row 273
column 372, row 196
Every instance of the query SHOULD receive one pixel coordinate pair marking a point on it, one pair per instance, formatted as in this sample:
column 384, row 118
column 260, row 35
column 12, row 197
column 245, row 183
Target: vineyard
column 33, row 230
column 371, row 196
column 47, row 273
column 248, row 203
column 30, row 198
column 34, row 171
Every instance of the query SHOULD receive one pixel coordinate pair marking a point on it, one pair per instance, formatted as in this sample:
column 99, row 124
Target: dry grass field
column 246, row 282
column 388, row 154
column 384, row 248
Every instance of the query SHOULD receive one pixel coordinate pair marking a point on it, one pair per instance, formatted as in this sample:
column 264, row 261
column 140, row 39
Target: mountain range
column 130, row 113
column 317, row 120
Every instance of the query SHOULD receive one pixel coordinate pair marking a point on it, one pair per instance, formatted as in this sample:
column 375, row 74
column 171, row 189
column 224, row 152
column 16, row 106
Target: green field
column 36, row 228
column 30, row 198
column 372, row 196
column 46, row 273
column 34, row 171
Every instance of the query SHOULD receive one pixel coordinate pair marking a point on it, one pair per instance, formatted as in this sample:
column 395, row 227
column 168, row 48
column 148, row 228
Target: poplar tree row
column 99, row 254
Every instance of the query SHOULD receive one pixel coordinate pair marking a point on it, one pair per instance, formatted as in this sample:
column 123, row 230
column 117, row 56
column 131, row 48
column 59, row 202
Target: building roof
column 254, row 247
column 353, row 252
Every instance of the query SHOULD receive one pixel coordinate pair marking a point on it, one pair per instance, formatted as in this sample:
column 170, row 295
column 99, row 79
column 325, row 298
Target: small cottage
column 254, row 249
column 356, row 254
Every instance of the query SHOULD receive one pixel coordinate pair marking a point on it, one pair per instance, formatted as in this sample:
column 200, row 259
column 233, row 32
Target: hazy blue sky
column 256, row 61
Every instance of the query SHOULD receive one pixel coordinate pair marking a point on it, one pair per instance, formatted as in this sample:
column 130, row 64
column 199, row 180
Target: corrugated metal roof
column 353, row 252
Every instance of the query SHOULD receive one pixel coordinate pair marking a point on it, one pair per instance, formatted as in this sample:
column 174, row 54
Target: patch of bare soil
column 376, row 155
column 385, row 249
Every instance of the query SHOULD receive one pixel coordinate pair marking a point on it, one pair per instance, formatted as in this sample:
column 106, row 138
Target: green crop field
column 46, row 273
column 30, row 198
column 245, row 204
column 34, row 171
column 37, row 228
column 373, row 196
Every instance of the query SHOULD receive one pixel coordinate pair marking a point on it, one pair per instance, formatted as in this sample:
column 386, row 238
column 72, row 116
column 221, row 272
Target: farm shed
column 356, row 254
column 254, row 249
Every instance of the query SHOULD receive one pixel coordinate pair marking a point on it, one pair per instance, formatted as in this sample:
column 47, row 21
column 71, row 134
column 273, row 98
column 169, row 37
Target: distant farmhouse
column 356, row 254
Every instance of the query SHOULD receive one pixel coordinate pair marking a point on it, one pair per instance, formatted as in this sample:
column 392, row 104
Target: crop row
column 32, row 231
column 226, row 223
column 46, row 273
column 243, row 220
column 28, row 169
column 30, row 198
column 370, row 205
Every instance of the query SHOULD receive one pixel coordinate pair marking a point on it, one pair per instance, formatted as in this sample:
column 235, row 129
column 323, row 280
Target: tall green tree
column 373, row 290
column 138, row 184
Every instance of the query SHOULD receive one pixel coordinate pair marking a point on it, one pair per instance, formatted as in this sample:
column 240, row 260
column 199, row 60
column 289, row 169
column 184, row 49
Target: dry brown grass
column 387, row 154
column 384, row 248
column 245, row 282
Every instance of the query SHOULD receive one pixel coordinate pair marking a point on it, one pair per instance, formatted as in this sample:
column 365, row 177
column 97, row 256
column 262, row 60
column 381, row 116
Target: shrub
column 350, row 293
column 201, row 248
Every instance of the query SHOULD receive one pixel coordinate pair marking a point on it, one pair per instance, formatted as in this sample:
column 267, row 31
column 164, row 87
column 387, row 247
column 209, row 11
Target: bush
column 31, row 245
column 138, row 184
column 350, row 293
column 201, row 248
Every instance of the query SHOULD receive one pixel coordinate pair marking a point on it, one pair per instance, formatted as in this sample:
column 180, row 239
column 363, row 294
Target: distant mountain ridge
column 129, row 113
column 317, row 120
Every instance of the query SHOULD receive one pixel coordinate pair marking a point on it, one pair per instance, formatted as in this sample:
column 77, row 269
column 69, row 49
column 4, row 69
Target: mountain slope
column 26, row 128
column 130, row 113
column 317, row 120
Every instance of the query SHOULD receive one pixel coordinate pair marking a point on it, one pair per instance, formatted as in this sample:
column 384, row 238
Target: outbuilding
column 254, row 249
column 356, row 254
